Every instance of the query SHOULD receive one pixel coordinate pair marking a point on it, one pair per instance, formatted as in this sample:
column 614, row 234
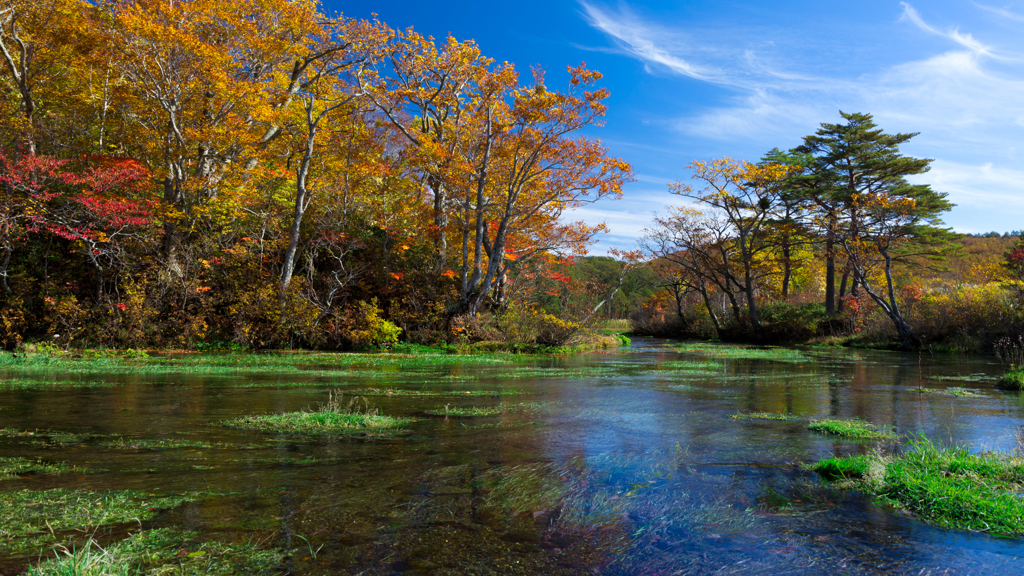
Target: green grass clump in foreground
column 850, row 429
column 14, row 467
column 162, row 551
column 948, row 487
column 765, row 416
column 1012, row 380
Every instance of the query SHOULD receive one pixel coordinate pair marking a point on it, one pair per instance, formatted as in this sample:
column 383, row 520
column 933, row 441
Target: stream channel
column 624, row 462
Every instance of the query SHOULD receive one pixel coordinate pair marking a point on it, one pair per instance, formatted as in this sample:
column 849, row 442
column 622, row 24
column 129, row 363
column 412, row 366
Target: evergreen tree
column 856, row 175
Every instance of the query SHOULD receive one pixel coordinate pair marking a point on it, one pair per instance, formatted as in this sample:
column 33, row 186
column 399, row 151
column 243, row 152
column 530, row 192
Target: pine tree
column 857, row 178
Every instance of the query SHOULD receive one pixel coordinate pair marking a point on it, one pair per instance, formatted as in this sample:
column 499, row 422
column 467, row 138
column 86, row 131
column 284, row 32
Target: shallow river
column 623, row 462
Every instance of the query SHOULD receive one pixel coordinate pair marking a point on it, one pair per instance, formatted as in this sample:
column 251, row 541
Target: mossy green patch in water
column 319, row 422
column 850, row 429
column 163, row 551
column 734, row 352
column 949, row 487
column 766, row 416
column 14, row 467
column 34, row 519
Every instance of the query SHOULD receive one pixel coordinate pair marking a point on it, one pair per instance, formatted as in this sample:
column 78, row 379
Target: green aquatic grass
column 121, row 443
column 334, row 417
column 766, row 416
column 689, row 366
column 433, row 393
column 308, row 362
column 1012, row 380
column 38, row 383
column 850, row 429
column 966, row 378
column 836, row 468
column 14, row 467
column 34, row 519
column 733, row 352
column 477, row 411
column 317, row 423
column 117, row 442
column 952, row 391
column 949, row 487
column 161, row 551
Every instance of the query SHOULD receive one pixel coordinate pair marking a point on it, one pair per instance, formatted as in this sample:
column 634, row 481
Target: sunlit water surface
column 618, row 463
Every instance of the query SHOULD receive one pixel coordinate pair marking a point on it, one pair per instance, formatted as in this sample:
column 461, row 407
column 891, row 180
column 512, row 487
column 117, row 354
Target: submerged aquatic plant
column 14, row 467
column 44, row 518
column 734, row 352
column 334, row 417
column 766, row 416
column 472, row 411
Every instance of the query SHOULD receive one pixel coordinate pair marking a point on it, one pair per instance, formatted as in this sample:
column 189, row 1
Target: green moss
column 163, row 551
column 766, row 416
column 850, row 429
column 948, row 487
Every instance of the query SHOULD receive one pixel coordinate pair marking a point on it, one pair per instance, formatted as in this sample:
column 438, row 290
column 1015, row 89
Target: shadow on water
column 623, row 462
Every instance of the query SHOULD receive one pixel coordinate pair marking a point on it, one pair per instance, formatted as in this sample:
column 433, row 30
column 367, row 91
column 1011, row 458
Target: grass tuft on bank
column 850, row 429
column 949, row 487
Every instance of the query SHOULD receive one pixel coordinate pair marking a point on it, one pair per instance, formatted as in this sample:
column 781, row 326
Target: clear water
column 627, row 465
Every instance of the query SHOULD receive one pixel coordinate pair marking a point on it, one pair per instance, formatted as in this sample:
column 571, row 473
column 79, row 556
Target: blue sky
column 699, row 80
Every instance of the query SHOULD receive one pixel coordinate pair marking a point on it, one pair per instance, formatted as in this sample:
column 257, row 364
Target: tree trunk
column 301, row 203
column 787, row 268
column 830, row 273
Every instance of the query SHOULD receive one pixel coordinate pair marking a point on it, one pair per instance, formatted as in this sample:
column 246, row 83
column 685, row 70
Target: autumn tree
column 329, row 84
column 747, row 197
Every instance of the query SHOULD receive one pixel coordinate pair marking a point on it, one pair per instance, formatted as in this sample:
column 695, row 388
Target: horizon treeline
column 265, row 174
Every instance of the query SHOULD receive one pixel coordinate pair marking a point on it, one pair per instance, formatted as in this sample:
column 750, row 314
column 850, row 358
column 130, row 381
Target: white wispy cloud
column 1001, row 12
column 965, row 100
column 965, row 40
column 642, row 41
